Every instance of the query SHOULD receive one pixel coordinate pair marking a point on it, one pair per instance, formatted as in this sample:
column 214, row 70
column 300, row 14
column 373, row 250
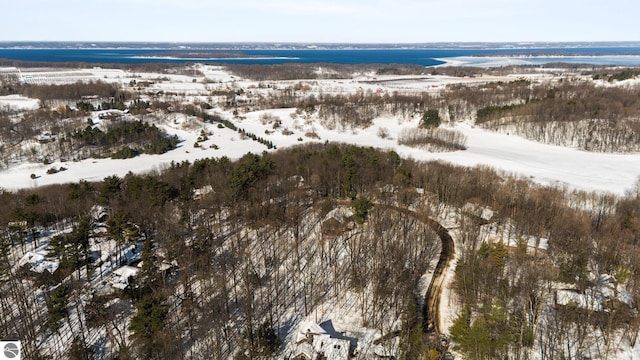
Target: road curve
column 431, row 307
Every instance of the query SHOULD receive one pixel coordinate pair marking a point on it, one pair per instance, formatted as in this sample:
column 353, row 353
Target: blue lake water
column 623, row 55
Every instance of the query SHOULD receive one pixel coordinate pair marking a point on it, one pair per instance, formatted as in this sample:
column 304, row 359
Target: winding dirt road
column 431, row 307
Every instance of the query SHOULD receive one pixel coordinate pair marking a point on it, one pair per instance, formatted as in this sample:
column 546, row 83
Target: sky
column 328, row 21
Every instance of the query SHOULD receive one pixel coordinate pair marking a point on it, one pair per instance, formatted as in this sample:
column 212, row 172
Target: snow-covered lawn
column 18, row 102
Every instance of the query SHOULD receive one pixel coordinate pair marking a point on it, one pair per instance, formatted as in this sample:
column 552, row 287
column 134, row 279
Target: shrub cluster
column 433, row 139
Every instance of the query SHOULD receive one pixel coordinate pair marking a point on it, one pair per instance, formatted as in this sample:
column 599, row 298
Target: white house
column 314, row 342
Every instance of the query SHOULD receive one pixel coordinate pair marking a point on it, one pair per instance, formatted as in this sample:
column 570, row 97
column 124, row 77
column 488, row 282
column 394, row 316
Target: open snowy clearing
column 17, row 102
column 545, row 164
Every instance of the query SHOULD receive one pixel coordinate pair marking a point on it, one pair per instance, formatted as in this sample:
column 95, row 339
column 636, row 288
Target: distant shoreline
column 240, row 46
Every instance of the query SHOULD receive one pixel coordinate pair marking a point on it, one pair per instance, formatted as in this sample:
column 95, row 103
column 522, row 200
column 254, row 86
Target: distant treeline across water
column 615, row 55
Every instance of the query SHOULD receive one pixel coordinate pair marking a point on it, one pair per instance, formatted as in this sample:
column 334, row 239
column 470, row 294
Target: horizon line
column 329, row 42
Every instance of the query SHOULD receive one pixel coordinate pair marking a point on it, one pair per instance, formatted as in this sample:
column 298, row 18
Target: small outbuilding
column 122, row 277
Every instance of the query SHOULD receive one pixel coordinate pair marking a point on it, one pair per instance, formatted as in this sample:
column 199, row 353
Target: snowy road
column 431, row 308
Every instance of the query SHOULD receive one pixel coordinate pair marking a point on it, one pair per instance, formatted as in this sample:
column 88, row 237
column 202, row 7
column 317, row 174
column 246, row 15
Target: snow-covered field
column 547, row 164
column 17, row 102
